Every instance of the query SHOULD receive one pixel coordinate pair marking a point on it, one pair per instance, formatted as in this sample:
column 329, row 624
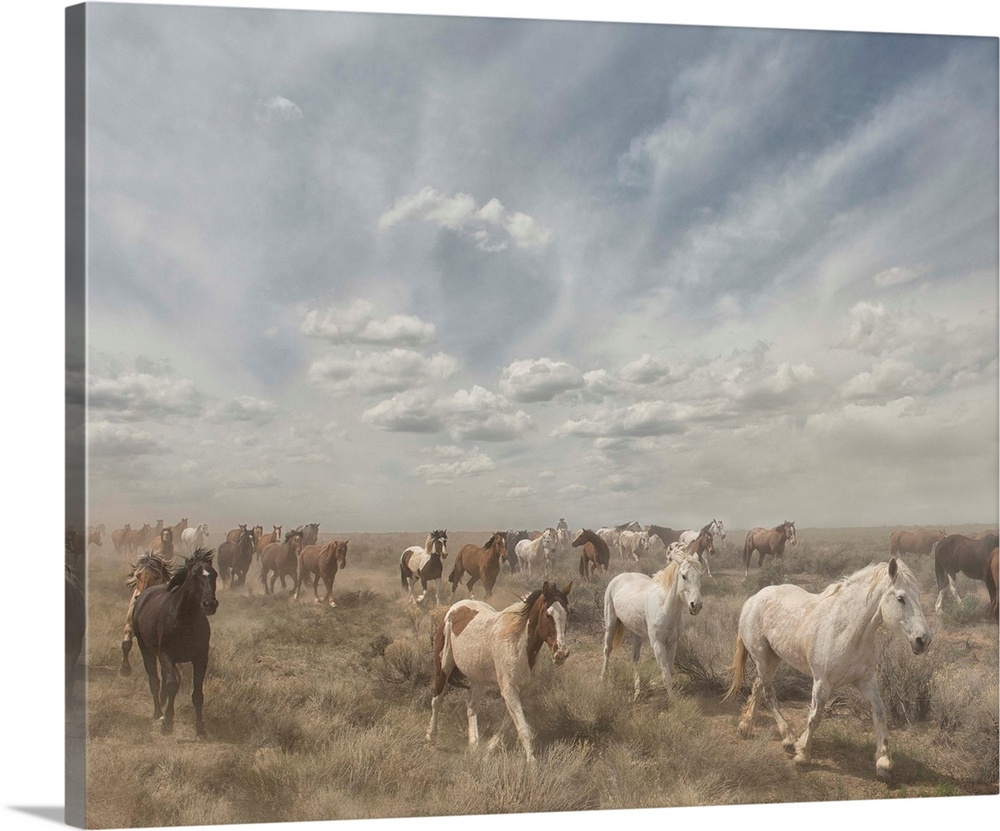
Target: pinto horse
column 767, row 541
column 235, row 558
column 594, row 553
column 652, row 609
column 480, row 563
column 171, row 627
column 281, row 558
column 914, row 542
column 992, row 580
column 957, row 553
column 424, row 564
column 149, row 570
column 321, row 561
column 831, row 636
column 476, row 645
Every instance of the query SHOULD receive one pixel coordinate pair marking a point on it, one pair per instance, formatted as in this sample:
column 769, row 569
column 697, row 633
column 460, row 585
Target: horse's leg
column 760, row 560
column 664, row 652
column 168, row 690
column 472, row 712
column 198, row 694
column 126, row 668
column 149, row 662
column 883, row 758
column 611, row 625
column 803, row 747
column 636, row 648
column 423, row 585
column 953, row 587
column 329, row 592
column 513, row 701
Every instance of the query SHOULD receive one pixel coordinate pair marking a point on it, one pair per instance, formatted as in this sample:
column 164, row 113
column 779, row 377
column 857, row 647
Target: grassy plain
column 318, row 713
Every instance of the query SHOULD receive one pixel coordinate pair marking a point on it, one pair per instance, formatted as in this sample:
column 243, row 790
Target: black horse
column 171, row 626
column 235, row 558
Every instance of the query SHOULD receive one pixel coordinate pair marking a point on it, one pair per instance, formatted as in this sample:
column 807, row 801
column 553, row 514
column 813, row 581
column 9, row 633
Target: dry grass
column 318, row 713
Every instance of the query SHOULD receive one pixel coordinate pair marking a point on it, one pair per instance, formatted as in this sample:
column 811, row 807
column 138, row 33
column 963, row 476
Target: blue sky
column 397, row 272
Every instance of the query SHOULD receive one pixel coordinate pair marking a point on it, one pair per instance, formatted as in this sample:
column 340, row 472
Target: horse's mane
column 518, row 613
column 201, row 557
column 665, row 576
column 585, row 536
column 871, row 577
column 149, row 561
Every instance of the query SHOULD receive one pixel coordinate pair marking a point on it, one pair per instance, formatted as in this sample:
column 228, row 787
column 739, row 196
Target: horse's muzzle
column 695, row 607
column 919, row 645
column 209, row 606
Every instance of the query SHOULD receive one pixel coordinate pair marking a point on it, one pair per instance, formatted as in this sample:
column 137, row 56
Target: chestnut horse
column 321, row 561
column 767, row 541
column 149, row 570
column 992, row 579
column 480, row 563
column 484, row 648
column 958, row 553
column 594, row 553
column 914, row 542
column 282, row 558
column 119, row 538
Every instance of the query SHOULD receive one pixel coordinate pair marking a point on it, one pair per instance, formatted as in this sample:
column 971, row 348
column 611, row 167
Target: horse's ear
column 568, row 588
column 893, row 569
column 546, row 590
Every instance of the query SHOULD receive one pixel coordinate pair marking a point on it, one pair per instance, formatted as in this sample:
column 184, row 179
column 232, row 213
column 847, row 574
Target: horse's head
column 900, row 606
column 553, row 619
column 705, row 543
column 437, row 543
column 689, row 573
column 198, row 578
column 790, row 532
column 341, row 553
column 718, row 528
column 499, row 540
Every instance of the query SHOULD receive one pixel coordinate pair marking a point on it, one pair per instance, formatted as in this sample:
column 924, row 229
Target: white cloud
column 138, row 396
column 276, row 108
column 357, row 322
column 460, row 213
column 463, row 465
column 108, row 439
column 645, row 418
column 539, row 380
column 648, row 370
column 519, row 492
column 408, row 412
column 381, row 372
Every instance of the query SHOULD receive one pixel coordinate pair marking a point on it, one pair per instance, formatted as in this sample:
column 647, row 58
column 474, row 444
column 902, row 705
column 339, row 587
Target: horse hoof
column 125, row 670
column 883, row 768
column 800, row 759
column 744, row 731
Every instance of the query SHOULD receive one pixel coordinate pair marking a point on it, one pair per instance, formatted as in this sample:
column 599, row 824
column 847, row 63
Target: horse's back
column 628, row 595
column 473, row 633
column 779, row 616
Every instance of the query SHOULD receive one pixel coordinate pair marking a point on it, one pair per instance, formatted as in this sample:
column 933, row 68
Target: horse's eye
column 901, row 599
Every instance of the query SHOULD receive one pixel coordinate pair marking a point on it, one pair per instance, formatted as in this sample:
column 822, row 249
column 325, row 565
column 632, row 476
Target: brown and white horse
column 767, row 541
column 484, row 648
column 424, row 564
column 594, row 553
column 480, row 563
column 321, row 561
column 149, row 570
column 921, row 541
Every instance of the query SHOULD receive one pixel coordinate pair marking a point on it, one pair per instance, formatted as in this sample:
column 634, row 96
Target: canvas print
column 474, row 416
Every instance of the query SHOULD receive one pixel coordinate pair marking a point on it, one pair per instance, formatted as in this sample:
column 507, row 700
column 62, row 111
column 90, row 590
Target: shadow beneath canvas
column 53, row 813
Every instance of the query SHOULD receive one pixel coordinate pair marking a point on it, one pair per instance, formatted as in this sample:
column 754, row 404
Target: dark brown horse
column 281, row 560
column 668, row 535
column 513, row 538
column 321, row 561
column 149, row 570
column 958, row 553
column 594, row 553
column 171, row 627
column 992, row 580
column 179, row 528
column 480, row 563
column 235, row 558
column 234, row 534
column 76, row 625
column 767, row 541
column 914, row 542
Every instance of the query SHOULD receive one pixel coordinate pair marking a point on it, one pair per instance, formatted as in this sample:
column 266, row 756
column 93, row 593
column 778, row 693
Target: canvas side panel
column 76, row 520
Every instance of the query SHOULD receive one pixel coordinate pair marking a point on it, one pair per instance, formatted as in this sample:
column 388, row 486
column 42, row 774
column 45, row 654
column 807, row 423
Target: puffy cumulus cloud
column 887, row 379
column 645, row 418
column 244, row 408
column 876, row 331
column 358, row 322
column 649, row 370
column 138, row 396
column 110, row 439
column 409, row 412
column 381, row 372
column 519, row 492
column 541, row 379
column 461, row 214
column 458, row 465
column 775, row 388
column 895, row 276
column 276, row 109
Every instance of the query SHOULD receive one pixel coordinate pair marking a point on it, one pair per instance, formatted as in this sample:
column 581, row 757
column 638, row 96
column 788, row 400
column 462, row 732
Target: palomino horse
column 281, row 558
column 957, row 553
column 119, row 538
column 480, row 563
column 767, row 541
column 536, row 552
column 76, row 626
column 192, row 538
column 831, row 636
column 171, row 627
column 594, row 553
column 914, row 542
column 235, row 558
column 321, row 561
column 485, row 648
column 149, row 570
column 992, row 580
column 424, row 564
column 652, row 609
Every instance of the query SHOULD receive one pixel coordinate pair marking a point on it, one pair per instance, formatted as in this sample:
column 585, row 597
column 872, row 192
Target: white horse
column 424, row 564
column 832, row 637
column 530, row 552
column 498, row 649
column 610, row 536
column 652, row 609
column 715, row 528
column 656, row 547
column 562, row 537
column 192, row 538
column 634, row 544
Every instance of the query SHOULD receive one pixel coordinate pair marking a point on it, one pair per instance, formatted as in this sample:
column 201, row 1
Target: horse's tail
column 402, row 574
column 939, row 571
column 456, row 572
column 737, row 667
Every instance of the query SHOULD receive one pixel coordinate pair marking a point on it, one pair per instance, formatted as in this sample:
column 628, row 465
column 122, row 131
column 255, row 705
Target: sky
column 391, row 272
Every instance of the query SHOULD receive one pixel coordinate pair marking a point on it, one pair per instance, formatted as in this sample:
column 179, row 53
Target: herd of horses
column 830, row 636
